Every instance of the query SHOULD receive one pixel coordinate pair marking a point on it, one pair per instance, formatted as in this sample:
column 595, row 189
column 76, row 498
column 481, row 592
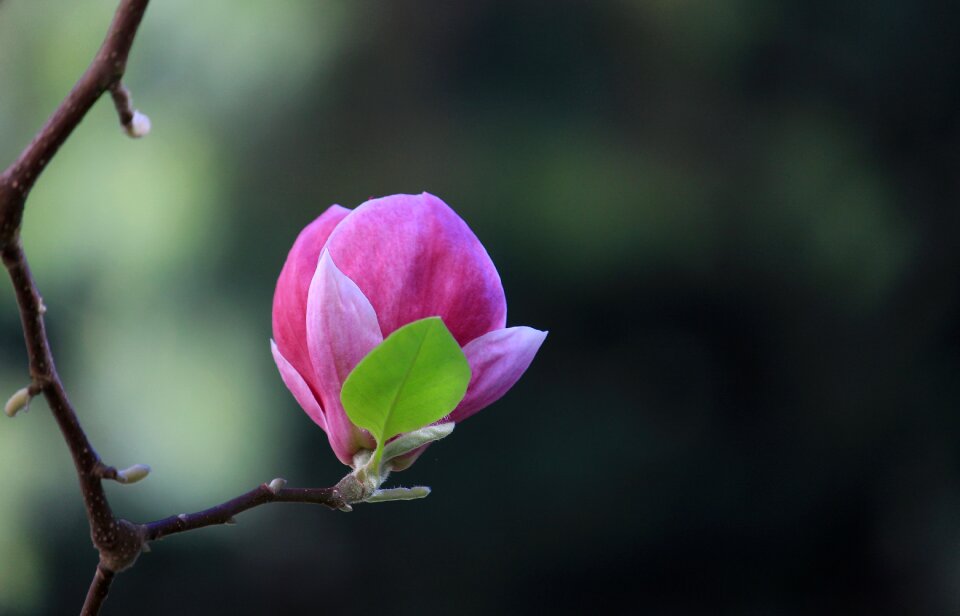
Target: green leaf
column 413, row 378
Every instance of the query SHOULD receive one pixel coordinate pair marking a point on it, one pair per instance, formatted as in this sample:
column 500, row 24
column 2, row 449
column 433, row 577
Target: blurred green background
column 738, row 219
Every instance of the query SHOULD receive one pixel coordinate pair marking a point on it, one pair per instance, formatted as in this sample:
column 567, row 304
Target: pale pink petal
column 290, row 298
column 298, row 387
column 497, row 361
column 413, row 257
column 402, row 463
column 341, row 329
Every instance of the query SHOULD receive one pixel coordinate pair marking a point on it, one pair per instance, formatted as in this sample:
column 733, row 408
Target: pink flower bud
column 353, row 277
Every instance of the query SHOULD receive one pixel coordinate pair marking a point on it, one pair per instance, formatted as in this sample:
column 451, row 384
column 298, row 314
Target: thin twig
column 224, row 513
column 134, row 123
column 123, row 102
column 99, row 587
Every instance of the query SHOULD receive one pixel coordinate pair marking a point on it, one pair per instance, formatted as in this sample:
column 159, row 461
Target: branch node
column 103, row 471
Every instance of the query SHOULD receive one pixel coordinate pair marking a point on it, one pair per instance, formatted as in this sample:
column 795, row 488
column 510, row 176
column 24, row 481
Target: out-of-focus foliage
column 738, row 220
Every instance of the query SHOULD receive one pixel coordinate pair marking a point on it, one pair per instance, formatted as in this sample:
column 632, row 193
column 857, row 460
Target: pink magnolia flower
column 353, row 277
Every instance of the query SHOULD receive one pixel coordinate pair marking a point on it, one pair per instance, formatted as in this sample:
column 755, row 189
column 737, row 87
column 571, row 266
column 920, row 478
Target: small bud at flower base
column 139, row 125
column 133, row 474
column 412, row 441
column 395, row 494
column 19, row 401
column 276, row 485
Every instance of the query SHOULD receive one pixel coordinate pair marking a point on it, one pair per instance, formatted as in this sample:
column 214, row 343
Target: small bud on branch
column 135, row 124
column 138, row 127
column 19, row 401
column 133, row 474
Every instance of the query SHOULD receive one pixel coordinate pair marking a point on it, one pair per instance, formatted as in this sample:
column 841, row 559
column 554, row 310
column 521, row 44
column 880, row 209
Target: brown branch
column 123, row 102
column 45, row 379
column 99, row 587
column 118, row 541
column 224, row 513
column 104, row 71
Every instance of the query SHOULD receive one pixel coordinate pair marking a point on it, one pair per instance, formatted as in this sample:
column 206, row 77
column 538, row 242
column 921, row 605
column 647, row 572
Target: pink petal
column 341, row 329
column 497, row 360
column 298, row 387
column 413, row 257
column 290, row 298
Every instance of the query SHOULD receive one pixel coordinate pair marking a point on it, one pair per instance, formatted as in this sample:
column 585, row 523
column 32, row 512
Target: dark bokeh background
column 737, row 219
